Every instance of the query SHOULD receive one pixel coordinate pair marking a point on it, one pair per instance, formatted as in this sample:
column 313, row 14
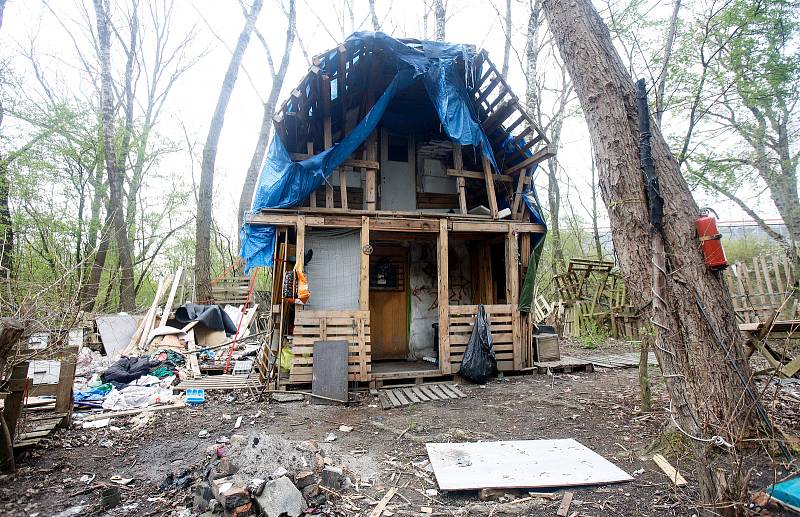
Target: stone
column 234, row 496
column 202, row 495
column 304, row 478
column 288, row 397
column 333, row 477
column 319, row 462
column 279, row 472
column 226, row 467
column 257, row 486
column 280, row 497
column 310, row 491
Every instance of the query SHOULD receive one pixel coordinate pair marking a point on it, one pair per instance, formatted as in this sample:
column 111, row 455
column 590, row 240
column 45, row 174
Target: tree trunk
column 248, row 188
column 707, row 396
column 115, row 174
column 440, row 16
column 205, row 197
column 507, row 45
column 376, row 24
column 6, row 227
column 668, row 44
column 598, row 246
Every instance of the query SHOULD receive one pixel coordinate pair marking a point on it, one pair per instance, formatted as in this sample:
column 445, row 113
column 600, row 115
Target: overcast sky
column 218, row 23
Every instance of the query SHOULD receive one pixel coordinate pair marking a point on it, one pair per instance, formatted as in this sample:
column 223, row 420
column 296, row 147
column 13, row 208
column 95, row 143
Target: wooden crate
column 313, row 326
column 547, row 347
column 462, row 320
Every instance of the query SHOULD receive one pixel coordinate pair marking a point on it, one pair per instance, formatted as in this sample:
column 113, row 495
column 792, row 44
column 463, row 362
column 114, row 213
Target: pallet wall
column 313, row 326
column 462, row 320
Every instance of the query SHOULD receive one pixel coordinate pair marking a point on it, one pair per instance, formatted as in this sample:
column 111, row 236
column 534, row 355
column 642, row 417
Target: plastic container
column 195, row 396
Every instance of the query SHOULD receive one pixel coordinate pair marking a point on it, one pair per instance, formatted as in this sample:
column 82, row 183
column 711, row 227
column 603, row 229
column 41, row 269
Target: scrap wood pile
column 591, row 297
column 144, row 363
column 764, row 295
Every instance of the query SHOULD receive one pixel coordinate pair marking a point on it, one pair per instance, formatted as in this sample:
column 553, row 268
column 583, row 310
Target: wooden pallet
column 399, row 397
column 38, row 428
column 565, row 365
column 501, row 322
column 222, row 382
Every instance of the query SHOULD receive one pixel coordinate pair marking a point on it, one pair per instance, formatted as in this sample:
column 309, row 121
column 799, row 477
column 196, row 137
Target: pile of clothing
column 134, row 382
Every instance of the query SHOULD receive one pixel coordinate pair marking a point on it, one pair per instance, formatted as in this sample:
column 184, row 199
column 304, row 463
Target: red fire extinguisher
column 711, row 240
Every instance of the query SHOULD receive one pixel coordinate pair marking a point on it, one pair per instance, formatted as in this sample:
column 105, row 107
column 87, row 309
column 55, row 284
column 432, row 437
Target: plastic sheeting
column 284, row 183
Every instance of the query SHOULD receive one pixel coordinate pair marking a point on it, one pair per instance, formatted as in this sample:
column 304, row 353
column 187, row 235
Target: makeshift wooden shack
column 402, row 169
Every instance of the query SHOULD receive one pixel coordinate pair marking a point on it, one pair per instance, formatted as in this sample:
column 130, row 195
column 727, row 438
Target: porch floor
column 403, row 369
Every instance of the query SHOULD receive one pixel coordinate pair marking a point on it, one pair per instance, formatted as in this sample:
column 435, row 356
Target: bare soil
column 600, row 409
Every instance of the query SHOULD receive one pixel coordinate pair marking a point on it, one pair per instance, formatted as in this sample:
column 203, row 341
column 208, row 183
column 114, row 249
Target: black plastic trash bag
column 479, row 363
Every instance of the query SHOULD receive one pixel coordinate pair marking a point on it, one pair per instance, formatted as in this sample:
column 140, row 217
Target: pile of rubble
column 234, row 484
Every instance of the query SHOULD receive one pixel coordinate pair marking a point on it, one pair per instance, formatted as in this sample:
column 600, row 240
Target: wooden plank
column 455, row 389
column 438, row 391
column 566, row 501
column 363, row 281
column 539, row 156
column 383, row 398
column 420, row 394
column 300, row 244
column 401, row 397
column 378, row 510
column 370, row 182
column 411, row 395
column 521, row 181
column 393, row 398
column 429, row 393
column 479, row 175
column 490, row 192
column 445, row 389
column 443, row 296
column 669, row 470
column 329, row 374
column 512, row 294
column 462, row 195
column 171, row 298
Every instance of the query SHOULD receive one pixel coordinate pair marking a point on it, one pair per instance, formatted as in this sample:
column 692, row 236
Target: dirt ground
column 384, row 449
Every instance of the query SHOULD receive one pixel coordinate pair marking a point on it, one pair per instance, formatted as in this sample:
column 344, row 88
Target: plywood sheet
column 329, row 372
column 116, row 331
column 520, row 464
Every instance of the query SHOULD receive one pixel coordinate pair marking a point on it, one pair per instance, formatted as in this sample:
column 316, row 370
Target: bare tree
column 699, row 346
column 440, row 16
column 668, row 44
column 507, row 46
column 376, row 23
column 278, row 76
column 116, row 175
column 205, row 197
column 2, row 10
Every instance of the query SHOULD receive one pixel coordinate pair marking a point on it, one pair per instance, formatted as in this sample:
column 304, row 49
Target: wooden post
column 66, row 378
column 518, row 193
column 327, row 132
column 312, row 199
column 371, row 187
column 443, row 298
column 343, row 187
column 487, row 174
column 300, row 246
column 458, row 163
column 363, row 280
column 512, row 294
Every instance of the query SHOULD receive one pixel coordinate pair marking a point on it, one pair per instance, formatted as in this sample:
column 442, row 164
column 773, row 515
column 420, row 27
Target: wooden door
column 388, row 304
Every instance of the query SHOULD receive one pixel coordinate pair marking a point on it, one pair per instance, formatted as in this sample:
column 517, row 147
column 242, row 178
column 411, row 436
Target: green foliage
column 592, row 335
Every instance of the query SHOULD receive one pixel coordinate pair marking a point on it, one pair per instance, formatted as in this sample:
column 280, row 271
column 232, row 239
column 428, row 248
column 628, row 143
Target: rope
column 716, row 439
column 241, row 318
column 225, row 272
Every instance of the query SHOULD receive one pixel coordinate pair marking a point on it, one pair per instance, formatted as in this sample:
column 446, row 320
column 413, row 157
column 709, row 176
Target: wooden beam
column 512, row 295
column 350, row 162
column 370, row 182
column 487, row 174
column 458, row 163
column 477, row 175
column 363, row 279
column 443, row 298
column 300, row 244
column 539, row 156
column 522, row 180
column 312, row 199
column 327, row 131
column 343, row 187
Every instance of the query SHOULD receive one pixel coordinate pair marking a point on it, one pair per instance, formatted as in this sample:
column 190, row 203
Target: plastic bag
column 302, row 288
column 295, row 287
column 479, row 363
column 286, row 359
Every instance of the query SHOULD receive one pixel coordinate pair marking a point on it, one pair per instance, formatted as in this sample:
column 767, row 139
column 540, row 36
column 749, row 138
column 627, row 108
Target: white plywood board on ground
column 520, row 464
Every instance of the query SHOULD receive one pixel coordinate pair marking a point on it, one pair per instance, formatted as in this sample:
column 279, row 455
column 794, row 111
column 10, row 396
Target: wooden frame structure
column 312, row 120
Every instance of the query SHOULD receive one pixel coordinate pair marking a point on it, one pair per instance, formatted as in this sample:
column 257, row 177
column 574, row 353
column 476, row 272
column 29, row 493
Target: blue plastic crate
column 195, row 396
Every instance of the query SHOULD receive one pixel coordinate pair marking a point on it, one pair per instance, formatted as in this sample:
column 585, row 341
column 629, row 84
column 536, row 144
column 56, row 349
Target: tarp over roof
column 284, row 183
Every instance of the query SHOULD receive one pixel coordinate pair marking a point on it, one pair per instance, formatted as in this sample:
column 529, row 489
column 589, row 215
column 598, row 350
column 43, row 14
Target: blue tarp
column 284, row 183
